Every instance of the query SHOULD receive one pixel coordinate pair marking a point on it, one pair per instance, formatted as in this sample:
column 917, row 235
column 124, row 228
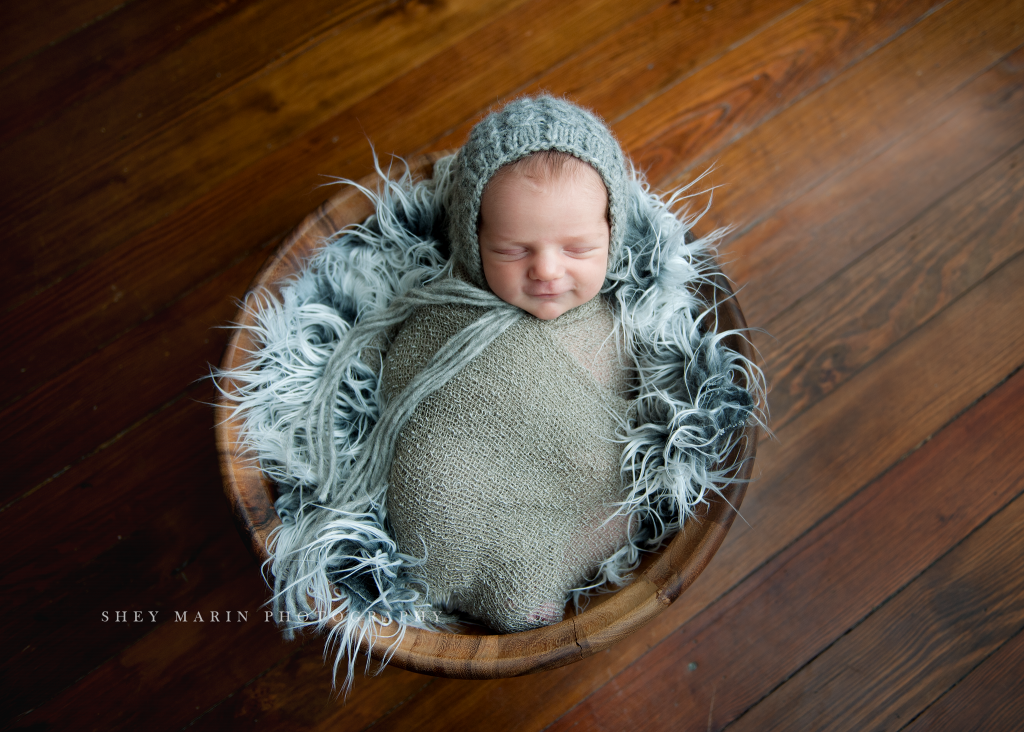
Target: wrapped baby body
column 506, row 478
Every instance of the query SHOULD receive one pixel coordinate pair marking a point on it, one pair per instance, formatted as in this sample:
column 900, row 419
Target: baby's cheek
column 502, row 280
column 591, row 279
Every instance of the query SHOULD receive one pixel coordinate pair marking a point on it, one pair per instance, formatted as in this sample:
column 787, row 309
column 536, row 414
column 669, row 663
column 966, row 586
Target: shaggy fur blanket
column 310, row 401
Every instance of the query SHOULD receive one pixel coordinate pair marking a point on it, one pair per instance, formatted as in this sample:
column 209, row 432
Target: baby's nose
column 547, row 266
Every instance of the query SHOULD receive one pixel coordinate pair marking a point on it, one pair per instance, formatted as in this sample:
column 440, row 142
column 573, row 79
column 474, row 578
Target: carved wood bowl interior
column 471, row 655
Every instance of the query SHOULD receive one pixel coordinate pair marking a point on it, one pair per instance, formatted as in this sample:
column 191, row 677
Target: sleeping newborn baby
column 496, row 390
column 507, row 479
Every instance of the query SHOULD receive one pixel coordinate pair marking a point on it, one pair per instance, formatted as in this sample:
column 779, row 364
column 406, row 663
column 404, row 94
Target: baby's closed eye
column 583, row 251
column 510, row 252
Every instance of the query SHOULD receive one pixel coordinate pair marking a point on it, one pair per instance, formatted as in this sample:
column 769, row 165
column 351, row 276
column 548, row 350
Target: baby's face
column 544, row 240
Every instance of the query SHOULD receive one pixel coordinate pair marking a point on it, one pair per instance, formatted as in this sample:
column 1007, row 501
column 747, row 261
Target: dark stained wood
column 106, row 286
column 181, row 49
column 921, row 643
column 991, row 698
column 237, row 128
column 113, row 389
column 820, row 452
column 895, row 291
column 782, row 259
column 33, row 26
column 174, row 659
column 818, row 41
column 828, row 452
column 819, row 343
column 277, row 703
column 138, row 277
column 957, row 327
column 335, row 74
column 158, row 521
column 949, row 47
column 652, row 55
column 838, row 130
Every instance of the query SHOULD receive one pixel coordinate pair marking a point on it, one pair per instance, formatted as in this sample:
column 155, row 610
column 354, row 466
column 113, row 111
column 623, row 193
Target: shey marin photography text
column 192, row 616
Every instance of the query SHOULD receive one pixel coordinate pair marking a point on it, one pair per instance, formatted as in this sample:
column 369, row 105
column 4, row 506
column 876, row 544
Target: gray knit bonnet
column 525, row 126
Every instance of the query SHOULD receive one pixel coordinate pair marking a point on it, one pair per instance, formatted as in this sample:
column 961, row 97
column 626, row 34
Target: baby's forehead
column 570, row 175
column 549, row 165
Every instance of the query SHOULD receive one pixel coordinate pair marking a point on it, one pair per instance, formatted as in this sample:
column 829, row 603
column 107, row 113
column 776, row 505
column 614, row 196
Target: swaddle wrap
column 508, row 477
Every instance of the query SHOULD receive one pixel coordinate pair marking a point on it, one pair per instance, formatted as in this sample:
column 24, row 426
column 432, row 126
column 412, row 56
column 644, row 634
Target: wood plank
column 141, row 276
column 172, row 47
column 277, row 702
column 125, row 190
column 842, row 443
column 834, row 576
column 160, row 523
column 846, row 315
column 29, row 27
column 744, row 510
column 75, row 447
column 225, row 135
column 127, row 518
column 646, row 58
column 820, row 342
column 183, row 664
column 125, row 682
column 783, row 258
column 52, row 661
column 101, row 396
column 923, row 641
column 849, row 119
column 990, row 698
column 818, row 40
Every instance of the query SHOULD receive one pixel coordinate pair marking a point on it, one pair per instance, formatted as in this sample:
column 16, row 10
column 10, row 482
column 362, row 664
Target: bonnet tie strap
column 366, row 478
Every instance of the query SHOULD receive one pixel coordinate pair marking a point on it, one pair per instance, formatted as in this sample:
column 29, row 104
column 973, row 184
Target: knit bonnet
column 522, row 127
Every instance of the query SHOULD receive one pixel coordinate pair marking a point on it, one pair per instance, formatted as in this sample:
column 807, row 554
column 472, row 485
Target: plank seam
column 926, row 125
column 66, row 36
column 962, row 679
column 881, row 606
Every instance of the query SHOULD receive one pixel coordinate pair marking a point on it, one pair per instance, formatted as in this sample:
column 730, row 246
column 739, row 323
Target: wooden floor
column 867, row 155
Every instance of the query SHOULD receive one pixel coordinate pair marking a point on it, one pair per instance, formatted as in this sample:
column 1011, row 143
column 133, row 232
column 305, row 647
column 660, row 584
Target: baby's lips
column 545, row 293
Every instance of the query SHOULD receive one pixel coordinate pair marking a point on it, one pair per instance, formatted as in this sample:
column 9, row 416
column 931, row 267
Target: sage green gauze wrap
column 505, row 478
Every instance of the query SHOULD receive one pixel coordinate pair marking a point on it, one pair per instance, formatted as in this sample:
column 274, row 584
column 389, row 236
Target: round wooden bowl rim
column 464, row 655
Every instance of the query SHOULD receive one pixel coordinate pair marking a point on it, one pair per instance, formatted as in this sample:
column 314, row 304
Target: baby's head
column 537, row 205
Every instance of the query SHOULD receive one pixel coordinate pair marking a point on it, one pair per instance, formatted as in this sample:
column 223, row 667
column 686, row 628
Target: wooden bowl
column 474, row 656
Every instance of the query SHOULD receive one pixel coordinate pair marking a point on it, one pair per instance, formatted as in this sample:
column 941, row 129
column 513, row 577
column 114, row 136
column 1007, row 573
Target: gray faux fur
column 334, row 546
